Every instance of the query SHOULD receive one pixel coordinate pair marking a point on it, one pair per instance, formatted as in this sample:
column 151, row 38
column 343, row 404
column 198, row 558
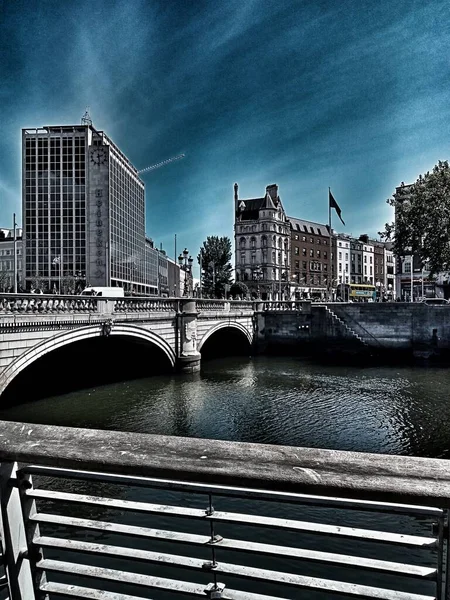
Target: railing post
column 15, row 544
column 189, row 358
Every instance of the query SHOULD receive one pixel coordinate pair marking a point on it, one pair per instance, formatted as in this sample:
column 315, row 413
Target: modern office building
column 83, row 212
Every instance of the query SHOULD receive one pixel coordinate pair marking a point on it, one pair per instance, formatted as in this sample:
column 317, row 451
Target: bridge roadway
column 34, row 325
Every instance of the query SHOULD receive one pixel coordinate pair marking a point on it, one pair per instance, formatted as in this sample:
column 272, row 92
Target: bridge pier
column 189, row 358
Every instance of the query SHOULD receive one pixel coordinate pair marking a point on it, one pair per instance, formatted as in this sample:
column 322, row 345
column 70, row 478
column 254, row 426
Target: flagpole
column 330, row 276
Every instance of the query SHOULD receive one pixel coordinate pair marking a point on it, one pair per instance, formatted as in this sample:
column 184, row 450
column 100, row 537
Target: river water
column 275, row 400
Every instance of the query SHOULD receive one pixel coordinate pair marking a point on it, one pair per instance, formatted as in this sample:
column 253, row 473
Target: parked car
column 434, row 301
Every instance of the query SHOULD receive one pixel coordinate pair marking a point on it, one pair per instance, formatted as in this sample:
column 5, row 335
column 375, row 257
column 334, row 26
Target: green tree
column 214, row 258
column 422, row 219
column 239, row 289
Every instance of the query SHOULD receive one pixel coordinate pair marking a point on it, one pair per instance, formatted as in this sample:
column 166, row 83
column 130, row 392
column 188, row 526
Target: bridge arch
column 76, row 335
column 226, row 325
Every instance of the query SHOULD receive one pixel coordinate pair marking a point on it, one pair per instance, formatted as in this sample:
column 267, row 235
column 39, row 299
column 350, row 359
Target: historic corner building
column 280, row 257
column 262, row 237
column 84, row 212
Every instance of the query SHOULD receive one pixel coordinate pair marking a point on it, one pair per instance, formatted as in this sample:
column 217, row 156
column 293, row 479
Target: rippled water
column 275, row 400
column 271, row 400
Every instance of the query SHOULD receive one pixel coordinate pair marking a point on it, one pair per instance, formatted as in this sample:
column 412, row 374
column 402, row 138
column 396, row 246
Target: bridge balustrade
column 145, row 305
column 96, row 514
column 42, row 304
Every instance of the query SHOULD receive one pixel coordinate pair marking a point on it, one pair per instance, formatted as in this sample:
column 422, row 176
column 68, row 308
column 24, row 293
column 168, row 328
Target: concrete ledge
column 356, row 475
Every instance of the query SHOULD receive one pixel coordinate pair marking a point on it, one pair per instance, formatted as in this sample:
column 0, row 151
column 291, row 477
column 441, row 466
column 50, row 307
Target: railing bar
column 287, row 524
column 242, row 546
column 201, row 488
column 290, row 579
column 64, row 589
column 149, row 581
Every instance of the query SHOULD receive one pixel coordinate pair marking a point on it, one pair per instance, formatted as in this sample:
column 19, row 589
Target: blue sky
column 351, row 94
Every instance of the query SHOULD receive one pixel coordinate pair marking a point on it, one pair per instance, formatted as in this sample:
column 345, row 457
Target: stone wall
column 414, row 329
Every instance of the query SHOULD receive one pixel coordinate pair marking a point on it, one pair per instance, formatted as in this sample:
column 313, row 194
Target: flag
column 335, row 205
column 56, row 260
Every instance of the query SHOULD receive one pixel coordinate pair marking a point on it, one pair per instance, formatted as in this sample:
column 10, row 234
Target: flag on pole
column 335, row 205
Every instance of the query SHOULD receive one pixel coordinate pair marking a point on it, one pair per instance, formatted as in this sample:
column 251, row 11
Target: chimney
column 235, row 191
column 273, row 191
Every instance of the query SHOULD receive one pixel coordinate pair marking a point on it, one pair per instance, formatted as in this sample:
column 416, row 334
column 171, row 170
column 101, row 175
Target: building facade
column 7, row 259
column 342, row 254
column 262, row 237
column 83, row 212
column 310, row 259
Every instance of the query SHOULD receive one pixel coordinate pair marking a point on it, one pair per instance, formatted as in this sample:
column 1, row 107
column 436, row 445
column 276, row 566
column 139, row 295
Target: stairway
column 342, row 323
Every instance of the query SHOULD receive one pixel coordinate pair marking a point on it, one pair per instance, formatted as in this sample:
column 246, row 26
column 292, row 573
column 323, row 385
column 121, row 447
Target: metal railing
column 112, row 515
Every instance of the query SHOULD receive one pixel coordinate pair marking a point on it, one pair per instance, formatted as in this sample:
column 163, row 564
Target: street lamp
column 186, row 266
column 258, row 275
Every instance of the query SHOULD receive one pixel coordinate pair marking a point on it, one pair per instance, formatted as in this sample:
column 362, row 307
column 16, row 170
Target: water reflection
column 274, row 400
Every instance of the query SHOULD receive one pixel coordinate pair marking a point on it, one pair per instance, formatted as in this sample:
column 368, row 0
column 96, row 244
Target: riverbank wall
column 400, row 330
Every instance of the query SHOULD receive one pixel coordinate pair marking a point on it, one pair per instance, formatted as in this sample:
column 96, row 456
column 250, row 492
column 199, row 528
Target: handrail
column 354, row 322
column 220, row 490
column 363, row 476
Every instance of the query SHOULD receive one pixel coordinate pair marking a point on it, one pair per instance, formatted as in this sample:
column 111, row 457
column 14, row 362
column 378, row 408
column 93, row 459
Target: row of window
column 318, row 253
column 311, row 240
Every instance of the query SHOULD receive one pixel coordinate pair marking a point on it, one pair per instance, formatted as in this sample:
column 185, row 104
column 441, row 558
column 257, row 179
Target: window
column 318, row 253
column 311, row 252
column 243, row 259
column 296, row 236
column 296, row 251
column 304, row 251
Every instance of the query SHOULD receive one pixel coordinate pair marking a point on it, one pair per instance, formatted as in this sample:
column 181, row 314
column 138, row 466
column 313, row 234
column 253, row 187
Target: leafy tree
column 239, row 289
column 422, row 219
column 214, row 257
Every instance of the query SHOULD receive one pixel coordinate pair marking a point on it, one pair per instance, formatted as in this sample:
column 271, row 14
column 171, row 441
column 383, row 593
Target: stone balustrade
column 44, row 304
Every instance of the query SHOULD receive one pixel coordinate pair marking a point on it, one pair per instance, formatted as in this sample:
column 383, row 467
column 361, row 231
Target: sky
column 308, row 94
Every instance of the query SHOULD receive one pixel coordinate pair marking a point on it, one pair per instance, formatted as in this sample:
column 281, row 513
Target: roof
column 252, row 204
column 309, row 227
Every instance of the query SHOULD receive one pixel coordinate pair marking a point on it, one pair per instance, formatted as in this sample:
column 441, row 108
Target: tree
column 214, row 258
column 422, row 219
column 239, row 289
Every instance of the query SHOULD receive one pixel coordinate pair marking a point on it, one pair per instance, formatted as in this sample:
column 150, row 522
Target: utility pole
column 15, row 253
column 201, row 266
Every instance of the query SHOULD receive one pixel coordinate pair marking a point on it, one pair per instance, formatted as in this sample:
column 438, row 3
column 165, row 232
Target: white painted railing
column 113, row 515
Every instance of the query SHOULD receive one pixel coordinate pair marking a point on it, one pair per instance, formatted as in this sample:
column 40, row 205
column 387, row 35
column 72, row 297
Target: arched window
column 279, row 242
column 264, row 241
column 242, row 243
column 252, row 242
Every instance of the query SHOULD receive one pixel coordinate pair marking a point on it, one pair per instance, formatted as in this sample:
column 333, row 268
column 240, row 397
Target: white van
column 108, row 292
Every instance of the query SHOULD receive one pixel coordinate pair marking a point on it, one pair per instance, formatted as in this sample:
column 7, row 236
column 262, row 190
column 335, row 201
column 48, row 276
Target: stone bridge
column 31, row 326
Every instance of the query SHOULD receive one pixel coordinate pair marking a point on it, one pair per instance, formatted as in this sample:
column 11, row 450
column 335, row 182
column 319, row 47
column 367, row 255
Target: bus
column 356, row 292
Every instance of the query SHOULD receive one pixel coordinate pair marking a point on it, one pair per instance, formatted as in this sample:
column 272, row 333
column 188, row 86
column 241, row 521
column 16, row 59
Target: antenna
column 86, row 118
column 161, row 164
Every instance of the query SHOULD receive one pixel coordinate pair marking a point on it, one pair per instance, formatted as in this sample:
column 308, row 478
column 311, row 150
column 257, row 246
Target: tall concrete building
column 83, row 211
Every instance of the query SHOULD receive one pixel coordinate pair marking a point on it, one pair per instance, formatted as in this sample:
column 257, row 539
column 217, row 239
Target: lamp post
column 186, row 266
column 257, row 276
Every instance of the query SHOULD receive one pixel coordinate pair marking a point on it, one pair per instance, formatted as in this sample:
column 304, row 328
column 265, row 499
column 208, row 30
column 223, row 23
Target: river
column 274, row 400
